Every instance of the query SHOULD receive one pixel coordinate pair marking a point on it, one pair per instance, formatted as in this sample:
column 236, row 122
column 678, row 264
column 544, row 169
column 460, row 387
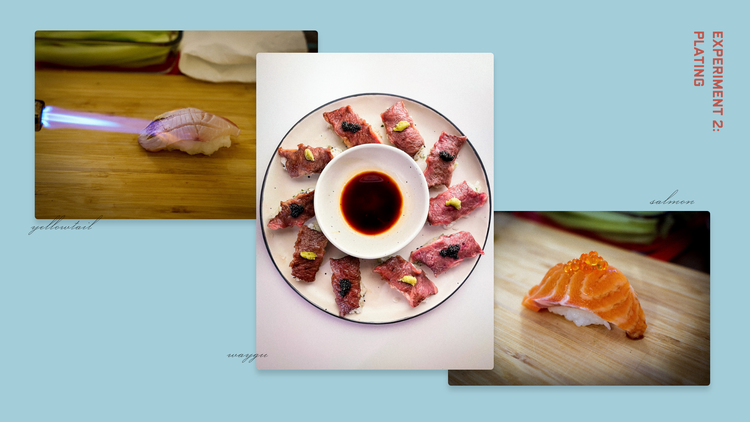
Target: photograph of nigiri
column 600, row 298
column 374, row 225
column 149, row 124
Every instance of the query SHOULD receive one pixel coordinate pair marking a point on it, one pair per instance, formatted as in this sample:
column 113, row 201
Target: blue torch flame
column 58, row 118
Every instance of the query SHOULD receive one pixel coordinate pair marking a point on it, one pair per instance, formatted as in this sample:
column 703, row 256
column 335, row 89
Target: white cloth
column 229, row 56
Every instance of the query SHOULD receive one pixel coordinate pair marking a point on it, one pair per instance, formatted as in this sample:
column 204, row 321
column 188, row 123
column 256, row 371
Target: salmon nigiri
column 589, row 291
column 188, row 129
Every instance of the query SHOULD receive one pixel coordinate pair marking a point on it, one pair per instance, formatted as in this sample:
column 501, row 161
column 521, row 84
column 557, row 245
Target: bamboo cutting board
column 84, row 174
column 541, row 348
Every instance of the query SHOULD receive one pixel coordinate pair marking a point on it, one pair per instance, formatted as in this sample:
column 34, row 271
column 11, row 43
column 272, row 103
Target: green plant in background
column 639, row 227
column 128, row 49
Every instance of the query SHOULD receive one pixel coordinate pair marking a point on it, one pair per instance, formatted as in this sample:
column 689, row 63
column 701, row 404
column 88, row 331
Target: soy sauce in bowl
column 371, row 203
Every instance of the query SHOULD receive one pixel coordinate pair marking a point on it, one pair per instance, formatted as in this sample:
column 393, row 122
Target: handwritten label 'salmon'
column 668, row 202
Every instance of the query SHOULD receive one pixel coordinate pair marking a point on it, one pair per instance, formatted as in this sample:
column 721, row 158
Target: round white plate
column 383, row 304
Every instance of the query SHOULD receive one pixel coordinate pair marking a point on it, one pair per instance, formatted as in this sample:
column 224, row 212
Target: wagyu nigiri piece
column 308, row 254
column 305, row 159
column 407, row 279
column 346, row 281
column 447, row 252
column 442, row 159
column 352, row 129
column 456, row 202
column 401, row 129
column 294, row 212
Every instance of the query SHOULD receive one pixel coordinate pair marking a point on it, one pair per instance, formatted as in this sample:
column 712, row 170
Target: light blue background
column 595, row 109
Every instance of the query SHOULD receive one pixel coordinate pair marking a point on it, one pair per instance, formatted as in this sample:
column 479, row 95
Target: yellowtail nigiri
column 188, row 129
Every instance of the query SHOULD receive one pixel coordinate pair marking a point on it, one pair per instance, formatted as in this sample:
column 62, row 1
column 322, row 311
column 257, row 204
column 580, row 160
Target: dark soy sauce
column 371, row 203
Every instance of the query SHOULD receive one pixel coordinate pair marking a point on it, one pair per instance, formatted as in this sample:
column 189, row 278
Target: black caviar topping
column 350, row 127
column 344, row 286
column 446, row 157
column 296, row 209
column 451, row 251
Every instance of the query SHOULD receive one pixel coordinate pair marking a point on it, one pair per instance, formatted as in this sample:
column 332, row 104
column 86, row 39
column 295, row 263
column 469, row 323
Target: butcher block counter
column 85, row 174
column 541, row 348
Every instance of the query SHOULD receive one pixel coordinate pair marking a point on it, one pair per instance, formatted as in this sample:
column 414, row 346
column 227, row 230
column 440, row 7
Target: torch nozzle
column 38, row 109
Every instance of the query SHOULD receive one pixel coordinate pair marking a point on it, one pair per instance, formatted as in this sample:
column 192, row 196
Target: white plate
column 382, row 304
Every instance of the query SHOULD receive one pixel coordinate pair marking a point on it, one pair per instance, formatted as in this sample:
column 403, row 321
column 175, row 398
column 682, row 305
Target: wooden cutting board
column 84, row 174
column 533, row 348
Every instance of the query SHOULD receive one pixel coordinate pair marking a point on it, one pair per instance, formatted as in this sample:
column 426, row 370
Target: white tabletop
column 458, row 334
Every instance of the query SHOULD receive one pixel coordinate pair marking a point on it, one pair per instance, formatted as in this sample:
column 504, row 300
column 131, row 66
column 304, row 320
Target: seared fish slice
column 188, row 129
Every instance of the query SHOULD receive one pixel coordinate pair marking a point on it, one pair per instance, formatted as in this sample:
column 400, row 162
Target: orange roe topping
column 574, row 265
column 590, row 262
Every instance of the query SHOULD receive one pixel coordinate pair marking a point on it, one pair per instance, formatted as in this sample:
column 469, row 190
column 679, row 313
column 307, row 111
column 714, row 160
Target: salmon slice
column 188, row 129
column 590, row 284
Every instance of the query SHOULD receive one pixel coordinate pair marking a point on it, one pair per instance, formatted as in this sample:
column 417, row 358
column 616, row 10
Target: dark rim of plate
column 263, row 188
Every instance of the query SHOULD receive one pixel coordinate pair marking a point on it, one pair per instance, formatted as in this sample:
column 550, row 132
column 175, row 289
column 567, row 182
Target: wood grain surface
column 541, row 348
column 84, row 174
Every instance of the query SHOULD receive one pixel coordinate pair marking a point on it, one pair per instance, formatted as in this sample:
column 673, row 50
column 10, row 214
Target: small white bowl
column 371, row 157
